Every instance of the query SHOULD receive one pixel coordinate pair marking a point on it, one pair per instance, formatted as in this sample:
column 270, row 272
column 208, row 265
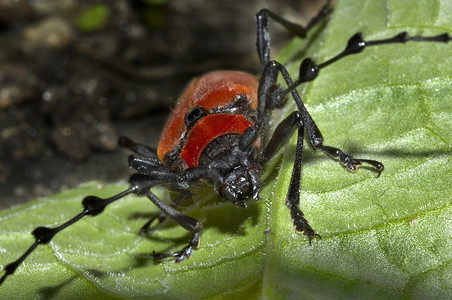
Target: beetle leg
column 263, row 36
column 301, row 120
column 162, row 175
column 282, row 133
column 145, row 164
column 293, row 192
column 280, row 136
column 143, row 183
column 161, row 217
column 182, row 254
column 187, row 222
column 140, row 149
column 139, row 185
column 146, row 228
column 352, row 164
column 272, row 69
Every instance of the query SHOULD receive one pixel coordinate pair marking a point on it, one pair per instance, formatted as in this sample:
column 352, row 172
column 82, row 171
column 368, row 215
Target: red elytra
column 210, row 92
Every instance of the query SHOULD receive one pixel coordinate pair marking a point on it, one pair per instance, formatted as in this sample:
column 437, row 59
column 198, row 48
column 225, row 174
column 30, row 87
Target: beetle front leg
column 352, row 164
column 293, row 193
column 348, row 161
column 161, row 217
column 146, row 228
column 270, row 95
column 162, row 175
column 282, row 133
column 187, row 222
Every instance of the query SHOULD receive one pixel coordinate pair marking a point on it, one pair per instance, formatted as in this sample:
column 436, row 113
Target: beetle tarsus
column 182, row 254
column 352, row 164
column 301, row 224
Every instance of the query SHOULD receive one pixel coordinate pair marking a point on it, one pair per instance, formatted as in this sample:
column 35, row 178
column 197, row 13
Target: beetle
column 217, row 134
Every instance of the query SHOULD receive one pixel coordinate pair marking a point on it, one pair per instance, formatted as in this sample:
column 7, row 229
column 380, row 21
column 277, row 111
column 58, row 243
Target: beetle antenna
column 92, row 206
column 309, row 70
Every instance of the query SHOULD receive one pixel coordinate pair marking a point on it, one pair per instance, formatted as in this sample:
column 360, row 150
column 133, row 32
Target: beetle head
column 239, row 184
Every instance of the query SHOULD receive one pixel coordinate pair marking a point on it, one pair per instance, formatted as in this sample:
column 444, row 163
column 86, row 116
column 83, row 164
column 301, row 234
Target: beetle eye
column 194, row 115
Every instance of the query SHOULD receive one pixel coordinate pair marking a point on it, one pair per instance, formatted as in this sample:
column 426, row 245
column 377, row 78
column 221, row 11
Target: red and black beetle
column 217, row 134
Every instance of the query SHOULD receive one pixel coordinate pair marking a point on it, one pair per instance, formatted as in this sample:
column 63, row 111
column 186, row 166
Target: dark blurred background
column 76, row 74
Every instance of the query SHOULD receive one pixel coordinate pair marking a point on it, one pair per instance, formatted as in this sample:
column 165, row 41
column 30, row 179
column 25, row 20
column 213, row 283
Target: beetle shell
column 212, row 92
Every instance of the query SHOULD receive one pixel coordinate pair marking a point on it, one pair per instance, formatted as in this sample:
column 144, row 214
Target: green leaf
column 94, row 18
column 386, row 237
